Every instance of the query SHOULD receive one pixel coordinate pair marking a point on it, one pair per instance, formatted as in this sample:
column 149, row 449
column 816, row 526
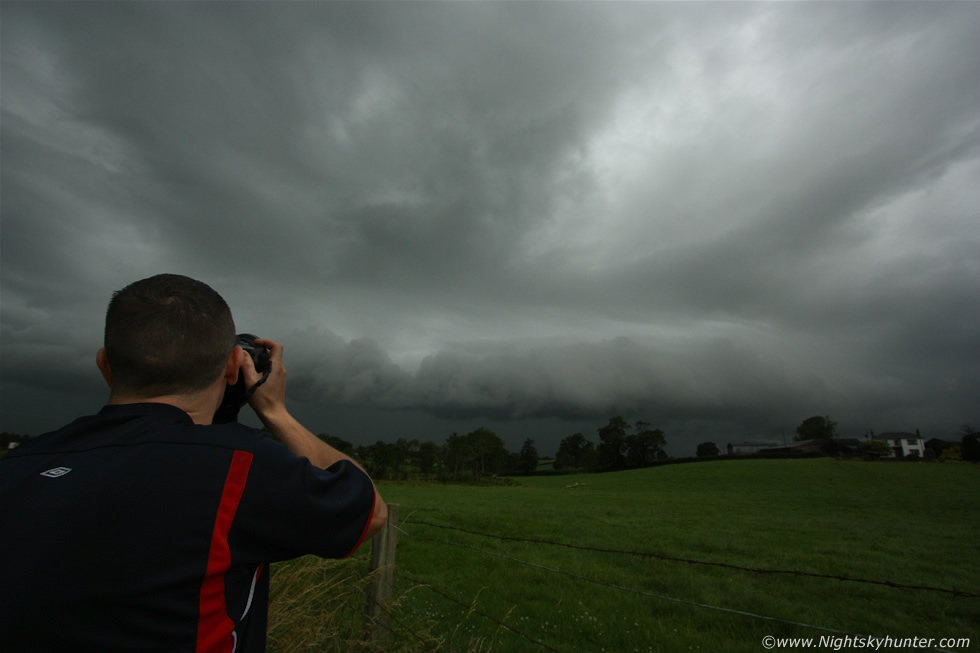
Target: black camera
column 236, row 395
column 261, row 356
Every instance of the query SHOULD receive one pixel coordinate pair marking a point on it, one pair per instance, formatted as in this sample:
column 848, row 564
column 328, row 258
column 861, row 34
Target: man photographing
column 149, row 527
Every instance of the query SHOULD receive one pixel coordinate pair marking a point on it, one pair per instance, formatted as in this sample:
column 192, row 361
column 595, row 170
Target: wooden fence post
column 378, row 611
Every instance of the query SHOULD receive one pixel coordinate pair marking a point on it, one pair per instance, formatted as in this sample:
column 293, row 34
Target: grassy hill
column 903, row 523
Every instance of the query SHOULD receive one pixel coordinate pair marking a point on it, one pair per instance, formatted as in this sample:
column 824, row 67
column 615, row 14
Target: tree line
column 475, row 456
column 472, row 457
column 480, row 454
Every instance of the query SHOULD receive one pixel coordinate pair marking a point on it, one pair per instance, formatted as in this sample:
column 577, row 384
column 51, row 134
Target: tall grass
column 314, row 605
column 319, row 605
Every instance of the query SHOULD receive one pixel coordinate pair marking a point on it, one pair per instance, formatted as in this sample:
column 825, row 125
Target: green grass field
column 906, row 523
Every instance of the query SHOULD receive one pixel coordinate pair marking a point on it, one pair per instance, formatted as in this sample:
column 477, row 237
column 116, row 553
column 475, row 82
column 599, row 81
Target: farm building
column 749, row 447
column 834, row 447
column 902, row 444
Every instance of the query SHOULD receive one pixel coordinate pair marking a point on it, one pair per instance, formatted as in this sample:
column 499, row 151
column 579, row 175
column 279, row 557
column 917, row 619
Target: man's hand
column 269, row 399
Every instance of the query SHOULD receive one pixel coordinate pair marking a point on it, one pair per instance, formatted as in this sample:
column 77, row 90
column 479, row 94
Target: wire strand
column 723, row 565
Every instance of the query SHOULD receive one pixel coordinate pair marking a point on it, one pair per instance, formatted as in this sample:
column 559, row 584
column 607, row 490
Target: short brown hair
column 168, row 334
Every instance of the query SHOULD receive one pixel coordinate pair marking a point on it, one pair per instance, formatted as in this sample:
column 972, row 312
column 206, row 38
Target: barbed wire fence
column 382, row 612
column 723, row 565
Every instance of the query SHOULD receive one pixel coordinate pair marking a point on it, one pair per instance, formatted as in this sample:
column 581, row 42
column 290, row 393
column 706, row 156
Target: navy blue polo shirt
column 137, row 530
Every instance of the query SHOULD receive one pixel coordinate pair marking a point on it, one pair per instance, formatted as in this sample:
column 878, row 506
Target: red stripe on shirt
column 367, row 525
column 214, row 627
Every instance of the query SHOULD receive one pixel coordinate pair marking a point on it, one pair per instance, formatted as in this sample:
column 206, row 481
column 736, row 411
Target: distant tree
column 488, row 450
column 970, row 447
column 970, row 443
column 817, row 428
column 378, row 459
column 937, row 446
column 427, row 456
column 528, row 457
column 401, row 453
column 612, row 443
column 513, row 463
column 707, row 449
column 952, row 453
column 575, row 452
column 457, row 454
column 644, row 445
column 874, row 449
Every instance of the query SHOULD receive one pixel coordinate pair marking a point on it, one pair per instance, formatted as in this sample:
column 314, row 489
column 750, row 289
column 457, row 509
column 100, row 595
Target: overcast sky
column 719, row 218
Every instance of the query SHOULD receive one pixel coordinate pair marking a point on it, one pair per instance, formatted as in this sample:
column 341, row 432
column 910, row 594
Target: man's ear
column 103, row 363
column 233, row 364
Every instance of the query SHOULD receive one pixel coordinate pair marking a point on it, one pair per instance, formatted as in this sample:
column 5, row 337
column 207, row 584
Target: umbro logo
column 56, row 472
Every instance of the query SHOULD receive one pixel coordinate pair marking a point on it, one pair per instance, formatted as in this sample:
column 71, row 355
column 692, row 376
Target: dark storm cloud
column 697, row 213
column 333, row 122
column 592, row 381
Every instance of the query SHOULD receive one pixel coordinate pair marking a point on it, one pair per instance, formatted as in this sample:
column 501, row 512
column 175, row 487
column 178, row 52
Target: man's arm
column 269, row 403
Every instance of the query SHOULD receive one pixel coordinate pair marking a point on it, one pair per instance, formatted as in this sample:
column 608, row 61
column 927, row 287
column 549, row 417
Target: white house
column 902, row 444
